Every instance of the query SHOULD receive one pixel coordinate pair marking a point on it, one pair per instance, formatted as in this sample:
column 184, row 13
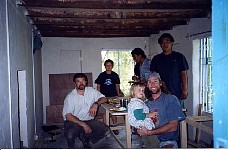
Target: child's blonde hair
column 136, row 86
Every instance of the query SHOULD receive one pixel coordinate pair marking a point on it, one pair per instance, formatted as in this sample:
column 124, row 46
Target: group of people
column 153, row 112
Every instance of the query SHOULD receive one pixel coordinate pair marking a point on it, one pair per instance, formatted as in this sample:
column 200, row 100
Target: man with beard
column 169, row 114
column 79, row 110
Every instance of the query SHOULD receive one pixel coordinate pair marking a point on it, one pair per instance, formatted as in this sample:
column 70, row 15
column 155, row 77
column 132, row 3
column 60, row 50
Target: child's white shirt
column 134, row 104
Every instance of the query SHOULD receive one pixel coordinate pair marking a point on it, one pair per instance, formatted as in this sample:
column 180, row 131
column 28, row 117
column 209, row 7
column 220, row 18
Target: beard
column 81, row 87
column 155, row 91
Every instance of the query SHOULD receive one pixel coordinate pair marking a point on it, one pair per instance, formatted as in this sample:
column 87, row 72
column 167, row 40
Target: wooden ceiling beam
column 135, row 22
column 101, row 14
column 120, row 4
column 111, row 18
column 93, row 35
column 122, row 28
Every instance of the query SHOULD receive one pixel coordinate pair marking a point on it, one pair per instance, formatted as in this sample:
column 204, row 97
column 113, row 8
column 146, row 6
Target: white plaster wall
column 4, row 78
column 91, row 53
column 19, row 48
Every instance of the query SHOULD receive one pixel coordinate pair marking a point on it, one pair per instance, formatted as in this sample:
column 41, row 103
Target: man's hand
column 135, row 78
column 86, row 128
column 184, row 94
column 93, row 110
column 142, row 131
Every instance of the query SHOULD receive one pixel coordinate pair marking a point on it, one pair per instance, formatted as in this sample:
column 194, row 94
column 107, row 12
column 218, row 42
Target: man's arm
column 99, row 87
column 170, row 127
column 118, row 89
column 74, row 119
column 93, row 109
column 102, row 100
column 184, row 79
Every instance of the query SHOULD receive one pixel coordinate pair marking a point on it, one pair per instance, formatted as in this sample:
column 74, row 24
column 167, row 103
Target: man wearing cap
column 172, row 67
column 169, row 114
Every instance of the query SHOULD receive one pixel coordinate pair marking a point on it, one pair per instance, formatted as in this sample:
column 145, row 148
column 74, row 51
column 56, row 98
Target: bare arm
column 118, row 89
column 93, row 109
column 99, row 87
column 184, row 79
column 74, row 119
column 170, row 127
column 102, row 100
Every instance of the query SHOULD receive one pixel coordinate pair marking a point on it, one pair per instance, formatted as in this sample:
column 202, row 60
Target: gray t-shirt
column 169, row 109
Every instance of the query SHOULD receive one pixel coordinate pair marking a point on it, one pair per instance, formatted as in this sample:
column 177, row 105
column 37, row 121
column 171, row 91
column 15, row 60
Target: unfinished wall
column 16, row 55
column 5, row 134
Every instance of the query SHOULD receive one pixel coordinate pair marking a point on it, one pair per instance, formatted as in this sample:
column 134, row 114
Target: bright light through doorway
column 123, row 65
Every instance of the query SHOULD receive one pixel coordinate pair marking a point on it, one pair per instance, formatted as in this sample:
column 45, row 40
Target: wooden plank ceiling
column 111, row 18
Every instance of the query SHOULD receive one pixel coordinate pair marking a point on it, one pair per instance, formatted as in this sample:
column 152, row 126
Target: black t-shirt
column 169, row 67
column 108, row 83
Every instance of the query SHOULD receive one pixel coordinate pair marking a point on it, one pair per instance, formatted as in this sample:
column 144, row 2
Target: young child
column 138, row 112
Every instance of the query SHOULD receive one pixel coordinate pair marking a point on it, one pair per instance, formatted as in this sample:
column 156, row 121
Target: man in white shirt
column 79, row 110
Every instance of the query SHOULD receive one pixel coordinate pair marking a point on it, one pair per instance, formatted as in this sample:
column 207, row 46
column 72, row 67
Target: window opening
column 206, row 74
column 123, row 66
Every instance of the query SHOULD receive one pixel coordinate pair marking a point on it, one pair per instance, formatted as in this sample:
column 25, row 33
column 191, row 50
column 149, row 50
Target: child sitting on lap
column 138, row 112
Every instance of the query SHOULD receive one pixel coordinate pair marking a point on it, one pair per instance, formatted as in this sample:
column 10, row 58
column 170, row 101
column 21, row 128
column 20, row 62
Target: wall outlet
column 36, row 137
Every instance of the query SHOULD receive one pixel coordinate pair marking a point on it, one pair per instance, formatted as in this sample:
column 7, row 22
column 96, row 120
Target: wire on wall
column 195, row 34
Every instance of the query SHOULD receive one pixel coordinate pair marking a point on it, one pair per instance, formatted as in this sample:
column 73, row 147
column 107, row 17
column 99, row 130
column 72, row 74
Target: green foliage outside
column 123, row 65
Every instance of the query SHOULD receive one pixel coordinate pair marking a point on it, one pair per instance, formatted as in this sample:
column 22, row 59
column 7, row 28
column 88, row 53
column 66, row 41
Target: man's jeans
column 73, row 130
column 168, row 144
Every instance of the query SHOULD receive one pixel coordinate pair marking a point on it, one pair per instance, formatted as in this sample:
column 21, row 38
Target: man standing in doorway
column 172, row 67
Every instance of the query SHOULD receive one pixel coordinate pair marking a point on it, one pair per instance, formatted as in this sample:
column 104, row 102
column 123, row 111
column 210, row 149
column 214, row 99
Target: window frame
column 206, row 89
column 124, row 85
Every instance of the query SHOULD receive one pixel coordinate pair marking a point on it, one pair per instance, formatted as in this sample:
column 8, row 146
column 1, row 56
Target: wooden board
column 61, row 84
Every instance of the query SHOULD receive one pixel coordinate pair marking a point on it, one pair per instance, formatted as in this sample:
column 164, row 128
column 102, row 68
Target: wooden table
column 195, row 121
column 126, row 126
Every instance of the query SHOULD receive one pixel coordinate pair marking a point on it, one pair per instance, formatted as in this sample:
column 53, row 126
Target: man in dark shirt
column 172, row 67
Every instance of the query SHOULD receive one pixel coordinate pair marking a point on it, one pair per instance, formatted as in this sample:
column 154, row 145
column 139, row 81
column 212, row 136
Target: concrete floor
column 106, row 143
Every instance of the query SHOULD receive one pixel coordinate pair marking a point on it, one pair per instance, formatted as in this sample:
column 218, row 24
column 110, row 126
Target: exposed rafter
column 111, row 18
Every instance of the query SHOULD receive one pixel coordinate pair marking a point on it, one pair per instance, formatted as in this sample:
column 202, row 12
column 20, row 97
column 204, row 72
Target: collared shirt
column 79, row 105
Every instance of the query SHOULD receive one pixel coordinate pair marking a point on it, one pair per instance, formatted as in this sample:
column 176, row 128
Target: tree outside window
column 123, row 65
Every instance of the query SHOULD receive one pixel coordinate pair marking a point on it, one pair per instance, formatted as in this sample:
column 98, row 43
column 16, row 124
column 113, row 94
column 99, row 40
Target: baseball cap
column 153, row 74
